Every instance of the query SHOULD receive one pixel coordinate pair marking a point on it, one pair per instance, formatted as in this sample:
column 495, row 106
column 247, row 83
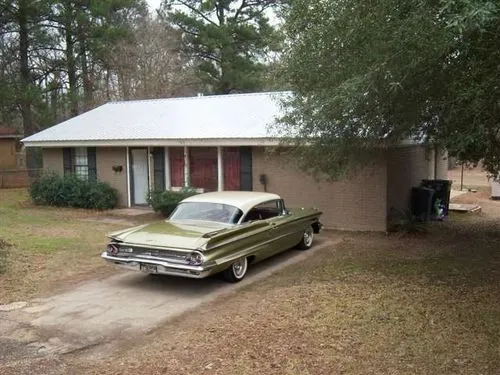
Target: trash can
column 441, row 199
column 421, row 202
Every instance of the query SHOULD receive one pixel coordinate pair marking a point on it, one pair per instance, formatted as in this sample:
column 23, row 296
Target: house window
column 81, row 163
column 159, row 168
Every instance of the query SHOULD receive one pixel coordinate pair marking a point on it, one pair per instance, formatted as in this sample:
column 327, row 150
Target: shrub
column 164, row 201
column 72, row 191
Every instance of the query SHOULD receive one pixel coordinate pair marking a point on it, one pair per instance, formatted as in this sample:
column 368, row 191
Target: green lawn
column 46, row 249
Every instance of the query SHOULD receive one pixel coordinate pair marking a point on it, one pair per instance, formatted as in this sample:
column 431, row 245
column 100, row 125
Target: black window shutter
column 91, row 157
column 67, row 160
column 246, row 180
column 159, row 168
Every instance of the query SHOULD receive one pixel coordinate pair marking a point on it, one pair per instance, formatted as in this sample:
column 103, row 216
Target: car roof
column 244, row 200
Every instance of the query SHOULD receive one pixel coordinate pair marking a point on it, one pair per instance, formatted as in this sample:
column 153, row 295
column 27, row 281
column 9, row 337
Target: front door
column 139, row 176
column 203, row 167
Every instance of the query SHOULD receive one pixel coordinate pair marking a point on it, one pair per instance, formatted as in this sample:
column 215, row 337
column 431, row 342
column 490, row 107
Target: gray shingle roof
column 236, row 116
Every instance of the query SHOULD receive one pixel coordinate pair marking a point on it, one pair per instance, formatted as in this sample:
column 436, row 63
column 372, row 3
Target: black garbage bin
column 421, row 202
column 442, row 190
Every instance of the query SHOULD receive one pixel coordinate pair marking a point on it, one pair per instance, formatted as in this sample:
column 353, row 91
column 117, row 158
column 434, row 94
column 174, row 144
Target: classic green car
column 214, row 232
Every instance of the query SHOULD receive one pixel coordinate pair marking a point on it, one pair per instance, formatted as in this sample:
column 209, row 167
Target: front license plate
column 149, row 268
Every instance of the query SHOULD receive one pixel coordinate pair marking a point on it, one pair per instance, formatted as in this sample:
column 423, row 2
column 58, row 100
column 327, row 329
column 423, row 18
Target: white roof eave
column 228, row 142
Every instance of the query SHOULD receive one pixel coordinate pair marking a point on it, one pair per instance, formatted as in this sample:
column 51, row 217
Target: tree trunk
column 87, row 82
column 124, row 84
column 25, row 76
column 224, row 80
column 70, row 63
column 54, row 99
column 108, row 78
column 224, row 85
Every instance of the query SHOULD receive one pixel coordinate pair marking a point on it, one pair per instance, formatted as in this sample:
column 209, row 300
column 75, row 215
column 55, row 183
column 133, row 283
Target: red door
column 231, row 168
column 176, row 166
column 203, row 167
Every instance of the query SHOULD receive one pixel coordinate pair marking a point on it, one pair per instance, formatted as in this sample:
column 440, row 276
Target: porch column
column 127, row 169
column 220, row 169
column 187, row 171
column 150, row 165
column 168, row 182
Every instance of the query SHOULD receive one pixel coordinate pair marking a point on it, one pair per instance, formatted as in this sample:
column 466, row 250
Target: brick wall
column 355, row 204
column 14, row 178
column 106, row 158
column 8, row 153
column 53, row 160
column 407, row 167
column 442, row 165
column 438, row 164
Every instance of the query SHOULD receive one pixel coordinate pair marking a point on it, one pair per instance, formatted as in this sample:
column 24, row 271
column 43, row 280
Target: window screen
column 81, row 162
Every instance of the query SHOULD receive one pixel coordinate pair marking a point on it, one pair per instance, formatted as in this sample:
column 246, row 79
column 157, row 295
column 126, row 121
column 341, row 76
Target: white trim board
column 225, row 142
column 129, row 196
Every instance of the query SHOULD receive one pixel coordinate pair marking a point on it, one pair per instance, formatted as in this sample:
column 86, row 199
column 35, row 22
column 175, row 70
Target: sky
column 153, row 4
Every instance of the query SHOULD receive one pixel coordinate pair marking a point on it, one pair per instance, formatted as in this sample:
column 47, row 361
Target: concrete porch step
column 465, row 208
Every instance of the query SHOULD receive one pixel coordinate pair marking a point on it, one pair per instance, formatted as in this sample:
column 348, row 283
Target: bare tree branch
column 238, row 11
column 193, row 9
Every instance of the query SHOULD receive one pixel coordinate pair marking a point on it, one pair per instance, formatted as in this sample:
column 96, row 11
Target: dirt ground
column 476, row 180
column 472, row 178
column 377, row 304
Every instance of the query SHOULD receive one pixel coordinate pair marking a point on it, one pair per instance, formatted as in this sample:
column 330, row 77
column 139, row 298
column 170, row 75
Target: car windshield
column 206, row 211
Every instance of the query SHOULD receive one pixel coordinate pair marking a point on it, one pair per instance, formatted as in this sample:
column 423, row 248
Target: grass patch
column 4, row 252
column 51, row 247
column 42, row 244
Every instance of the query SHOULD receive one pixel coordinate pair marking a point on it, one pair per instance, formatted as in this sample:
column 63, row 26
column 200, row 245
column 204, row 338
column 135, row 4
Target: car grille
column 169, row 255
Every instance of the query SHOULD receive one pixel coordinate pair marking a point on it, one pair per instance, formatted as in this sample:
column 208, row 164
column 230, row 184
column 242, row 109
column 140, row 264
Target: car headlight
column 195, row 258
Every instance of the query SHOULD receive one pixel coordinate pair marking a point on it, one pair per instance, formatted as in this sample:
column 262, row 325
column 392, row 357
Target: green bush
column 164, row 201
column 72, row 191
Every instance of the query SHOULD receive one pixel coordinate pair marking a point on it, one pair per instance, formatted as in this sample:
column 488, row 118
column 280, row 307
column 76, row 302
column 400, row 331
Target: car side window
column 264, row 211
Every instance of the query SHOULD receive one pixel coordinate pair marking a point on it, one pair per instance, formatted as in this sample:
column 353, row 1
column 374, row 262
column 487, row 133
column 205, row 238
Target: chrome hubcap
column 240, row 268
column 308, row 236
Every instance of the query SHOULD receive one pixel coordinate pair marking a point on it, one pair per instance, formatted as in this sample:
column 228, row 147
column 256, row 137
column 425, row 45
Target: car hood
column 185, row 235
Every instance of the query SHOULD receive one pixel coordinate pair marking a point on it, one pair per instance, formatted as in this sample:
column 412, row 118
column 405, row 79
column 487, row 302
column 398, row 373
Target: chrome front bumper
column 163, row 267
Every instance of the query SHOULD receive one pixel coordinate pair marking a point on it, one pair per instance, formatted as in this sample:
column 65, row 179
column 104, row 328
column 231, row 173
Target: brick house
column 9, row 140
column 220, row 143
column 11, row 159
